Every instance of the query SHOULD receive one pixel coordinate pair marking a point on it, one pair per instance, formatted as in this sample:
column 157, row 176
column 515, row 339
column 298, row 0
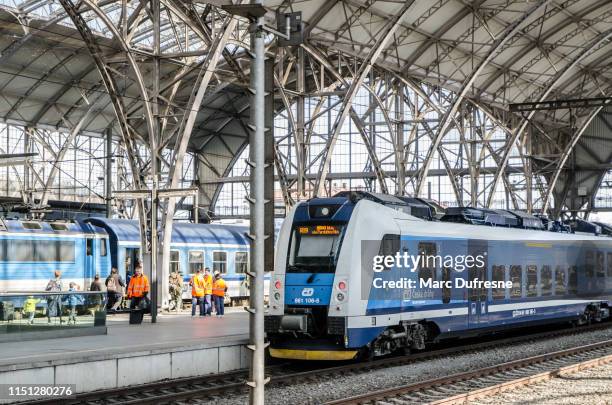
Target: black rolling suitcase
column 136, row 316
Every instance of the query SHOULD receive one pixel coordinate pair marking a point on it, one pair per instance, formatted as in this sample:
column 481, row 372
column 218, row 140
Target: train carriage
column 220, row 247
column 329, row 301
column 31, row 251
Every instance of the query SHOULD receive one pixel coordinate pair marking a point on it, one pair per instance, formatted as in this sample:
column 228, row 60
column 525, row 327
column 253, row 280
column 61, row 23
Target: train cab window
column 103, row 249
column 241, row 261
column 560, row 281
column 546, row 280
column 219, row 262
column 389, row 245
column 589, row 263
column 175, row 261
column 600, row 269
column 196, row 260
column 516, row 276
column 532, row 281
column 89, row 247
column 31, row 225
column 427, row 265
column 499, row 274
column 572, row 286
column 446, row 290
column 609, row 263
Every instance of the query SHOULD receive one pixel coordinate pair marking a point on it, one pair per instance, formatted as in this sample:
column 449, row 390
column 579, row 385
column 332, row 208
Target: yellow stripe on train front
column 295, row 354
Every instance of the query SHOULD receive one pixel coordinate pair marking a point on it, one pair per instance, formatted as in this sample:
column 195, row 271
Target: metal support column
column 300, row 147
column 153, row 138
column 108, row 183
column 399, row 140
column 256, row 345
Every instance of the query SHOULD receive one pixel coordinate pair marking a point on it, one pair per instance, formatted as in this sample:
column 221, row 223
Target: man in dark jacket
column 114, row 289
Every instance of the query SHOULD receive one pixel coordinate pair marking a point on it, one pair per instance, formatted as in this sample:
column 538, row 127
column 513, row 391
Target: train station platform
column 176, row 346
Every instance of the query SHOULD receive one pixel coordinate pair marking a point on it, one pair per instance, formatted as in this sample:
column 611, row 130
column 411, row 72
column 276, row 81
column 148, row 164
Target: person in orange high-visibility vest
column 218, row 290
column 197, row 292
column 208, row 285
column 138, row 289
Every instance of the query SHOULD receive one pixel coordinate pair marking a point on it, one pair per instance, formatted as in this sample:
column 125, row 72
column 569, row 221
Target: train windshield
column 314, row 249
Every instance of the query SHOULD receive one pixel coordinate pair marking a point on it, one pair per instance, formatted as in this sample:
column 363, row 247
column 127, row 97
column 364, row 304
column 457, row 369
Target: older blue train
column 30, row 251
column 366, row 274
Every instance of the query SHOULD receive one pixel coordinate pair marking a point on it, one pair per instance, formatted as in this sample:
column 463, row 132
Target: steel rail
column 214, row 386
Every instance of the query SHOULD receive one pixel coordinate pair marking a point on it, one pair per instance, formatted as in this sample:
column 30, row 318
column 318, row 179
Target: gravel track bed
column 338, row 387
column 592, row 386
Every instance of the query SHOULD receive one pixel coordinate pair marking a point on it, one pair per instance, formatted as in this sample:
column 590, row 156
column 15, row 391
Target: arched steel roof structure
column 429, row 80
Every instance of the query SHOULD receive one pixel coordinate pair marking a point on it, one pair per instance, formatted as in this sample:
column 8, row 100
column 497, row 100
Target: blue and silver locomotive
column 366, row 275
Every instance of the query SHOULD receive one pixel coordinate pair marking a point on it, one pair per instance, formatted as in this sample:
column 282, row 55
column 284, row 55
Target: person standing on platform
column 208, row 286
column 54, row 302
column 176, row 289
column 96, row 300
column 218, row 290
column 197, row 293
column 138, row 289
column 29, row 308
column 73, row 301
column 114, row 289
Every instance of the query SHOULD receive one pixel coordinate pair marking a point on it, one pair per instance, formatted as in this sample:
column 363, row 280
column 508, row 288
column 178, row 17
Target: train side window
column 589, row 263
column 609, row 264
column 516, row 276
column 446, row 291
column 196, row 260
column 499, row 274
column 389, row 245
column 572, row 280
column 242, row 262
column 532, row 281
column 219, row 262
column 546, row 280
column 427, row 265
column 560, row 281
column 89, row 246
column 31, row 225
column 103, row 249
column 599, row 265
column 175, row 261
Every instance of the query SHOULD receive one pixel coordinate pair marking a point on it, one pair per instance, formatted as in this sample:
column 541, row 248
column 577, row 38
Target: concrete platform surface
column 173, row 332
column 177, row 346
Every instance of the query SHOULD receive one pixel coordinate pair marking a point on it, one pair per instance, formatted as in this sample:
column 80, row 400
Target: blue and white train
column 330, row 299
column 30, row 252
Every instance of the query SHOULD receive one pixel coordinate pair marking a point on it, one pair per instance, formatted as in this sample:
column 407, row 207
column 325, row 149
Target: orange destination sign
column 319, row 230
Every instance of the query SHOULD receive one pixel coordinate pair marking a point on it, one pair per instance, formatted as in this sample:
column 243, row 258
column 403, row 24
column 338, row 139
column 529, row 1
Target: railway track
column 233, row 383
column 461, row 387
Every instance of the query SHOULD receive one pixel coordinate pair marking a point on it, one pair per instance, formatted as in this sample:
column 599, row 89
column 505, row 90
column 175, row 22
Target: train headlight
column 325, row 211
column 278, row 284
column 342, row 285
column 340, row 297
column 277, row 296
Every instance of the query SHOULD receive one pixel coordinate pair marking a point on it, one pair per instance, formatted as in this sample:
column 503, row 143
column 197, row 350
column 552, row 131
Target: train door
column 89, row 261
column 132, row 256
column 477, row 296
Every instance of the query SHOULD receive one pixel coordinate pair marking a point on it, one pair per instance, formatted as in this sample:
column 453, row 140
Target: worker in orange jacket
column 208, row 286
column 138, row 289
column 218, row 292
column 197, row 292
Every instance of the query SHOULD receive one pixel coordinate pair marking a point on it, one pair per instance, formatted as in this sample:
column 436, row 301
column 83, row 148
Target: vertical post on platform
column 529, row 173
column 154, row 161
column 300, row 147
column 257, row 213
column 108, row 183
column 27, row 194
